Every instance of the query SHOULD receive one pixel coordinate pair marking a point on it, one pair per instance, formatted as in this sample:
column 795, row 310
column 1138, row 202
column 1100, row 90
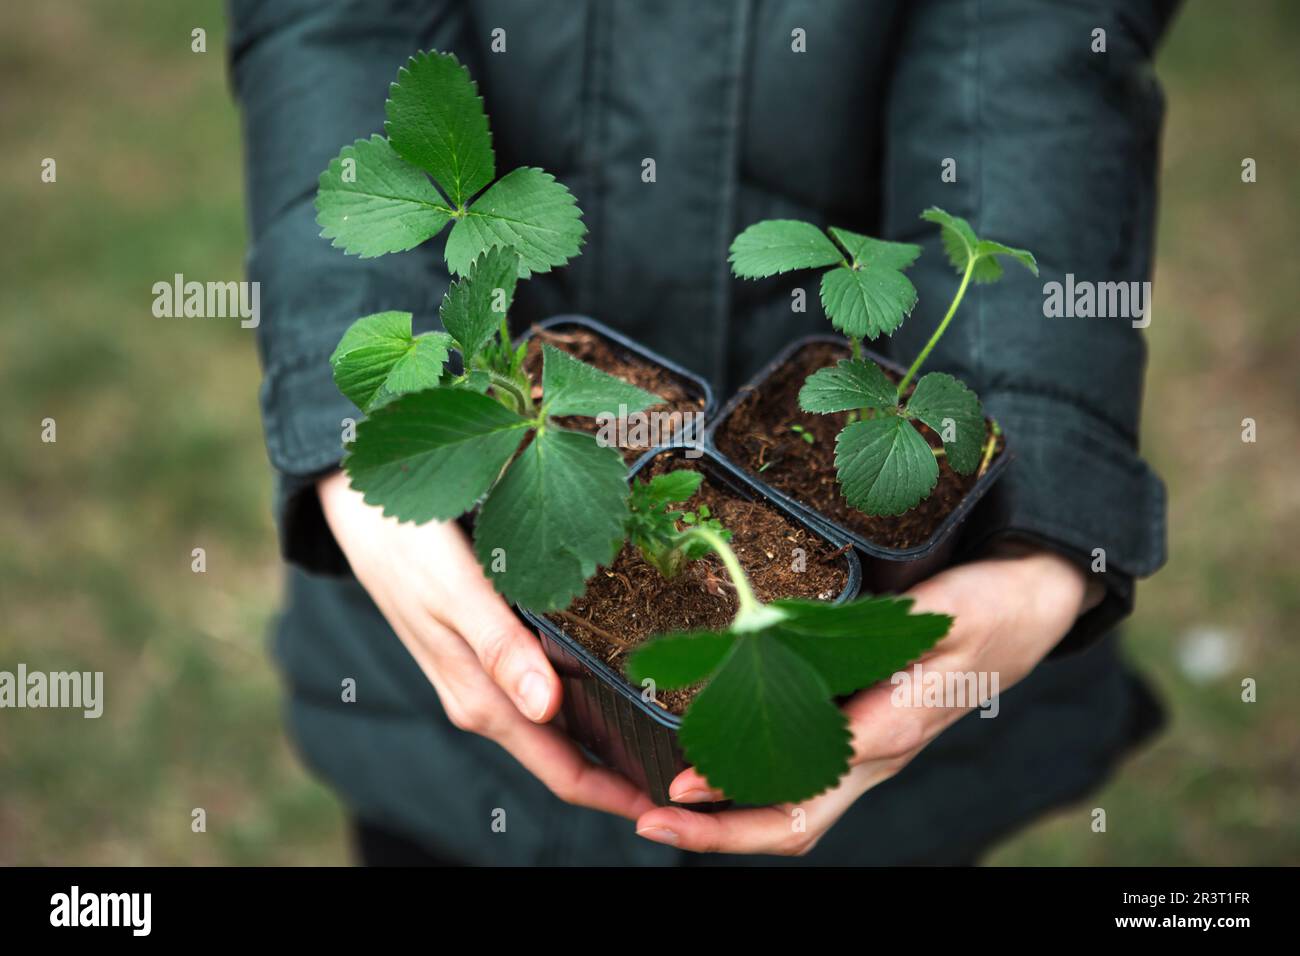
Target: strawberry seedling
column 442, row 437
column 654, row 529
column 884, row 464
column 552, row 503
column 766, row 728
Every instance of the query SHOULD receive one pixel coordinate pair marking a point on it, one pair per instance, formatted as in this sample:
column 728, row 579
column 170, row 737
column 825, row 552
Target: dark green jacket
column 1056, row 150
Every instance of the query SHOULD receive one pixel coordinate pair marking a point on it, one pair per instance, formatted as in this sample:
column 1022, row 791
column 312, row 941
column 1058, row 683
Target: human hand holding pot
column 1009, row 611
column 489, row 671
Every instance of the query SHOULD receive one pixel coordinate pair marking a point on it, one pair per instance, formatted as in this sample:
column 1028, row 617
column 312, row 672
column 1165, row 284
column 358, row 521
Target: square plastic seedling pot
column 606, row 714
column 694, row 383
column 884, row 570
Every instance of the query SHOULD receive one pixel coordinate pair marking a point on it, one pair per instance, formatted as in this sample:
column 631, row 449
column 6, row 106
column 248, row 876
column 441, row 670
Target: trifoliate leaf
column 475, row 305
column 369, row 202
column 855, row 645
column 421, row 369
column 764, row 729
column 557, row 513
column 526, row 210
column 781, row 245
column 988, row 251
column 652, row 527
column 378, row 359
column 962, row 245
column 436, row 121
column 572, row 387
column 669, row 487
column 954, row 412
column 884, row 465
column 432, row 454
column 867, row 252
column 867, row 300
column 680, row 660
column 959, row 240
column 851, row 384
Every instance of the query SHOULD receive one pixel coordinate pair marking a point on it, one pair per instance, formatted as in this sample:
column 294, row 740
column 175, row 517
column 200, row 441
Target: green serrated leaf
column 477, row 380
column 959, row 240
column 369, row 202
column 557, row 513
column 764, row 729
column 527, row 210
column 988, row 251
column 432, row 454
column 781, row 245
column 876, row 253
column 962, row 245
column 572, row 387
column 436, row 121
column 855, row 645
column 378, row 359
column 867, row 301
column 885, row 467
column 681, row 659
column 652, row 527
column 474, row 305
column 851, row 384
column 669, row 487
column 951, row 409
column 985, row 271
column 417, row 371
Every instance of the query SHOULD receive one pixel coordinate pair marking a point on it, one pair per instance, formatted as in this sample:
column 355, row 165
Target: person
column 1013, row 115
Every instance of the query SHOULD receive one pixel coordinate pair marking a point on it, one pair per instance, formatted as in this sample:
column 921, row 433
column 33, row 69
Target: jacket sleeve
column 1056, row 151
column 310, row 78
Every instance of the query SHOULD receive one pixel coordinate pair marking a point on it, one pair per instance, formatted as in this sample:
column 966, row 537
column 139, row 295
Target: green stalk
column 938, row 333
column 748, row 603
column 989, row 447
column 524, row 403
column 858, row 413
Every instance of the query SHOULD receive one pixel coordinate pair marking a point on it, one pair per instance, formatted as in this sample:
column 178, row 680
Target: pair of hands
column 493, row 679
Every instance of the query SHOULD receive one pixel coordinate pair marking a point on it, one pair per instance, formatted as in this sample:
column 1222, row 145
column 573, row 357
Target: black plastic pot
column 694, row 382
column 884, row 570
column 602, row 711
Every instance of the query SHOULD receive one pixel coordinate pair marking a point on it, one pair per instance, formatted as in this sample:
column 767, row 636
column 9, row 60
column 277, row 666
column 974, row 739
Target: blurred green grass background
column 159, row 451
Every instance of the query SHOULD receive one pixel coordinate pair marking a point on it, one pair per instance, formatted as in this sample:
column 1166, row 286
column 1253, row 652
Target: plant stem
column 989, row 446
column 855, row 414
column 744, row 593
column 938, row 333
column 524, row 402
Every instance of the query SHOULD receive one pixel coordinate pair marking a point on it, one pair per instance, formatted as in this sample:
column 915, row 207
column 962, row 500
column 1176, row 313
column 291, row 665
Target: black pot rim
column 650, row 355
column 617, row 681
column 945, row 528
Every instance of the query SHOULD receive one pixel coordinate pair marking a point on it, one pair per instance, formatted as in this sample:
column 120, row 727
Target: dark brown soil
column 680, row 394
column 757, row 437
column 632, row 601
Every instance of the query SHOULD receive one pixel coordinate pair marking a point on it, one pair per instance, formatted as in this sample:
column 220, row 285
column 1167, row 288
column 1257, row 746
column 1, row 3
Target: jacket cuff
column 304, row 415
column 311, row 294
column 1074, row 486
column 305, row 537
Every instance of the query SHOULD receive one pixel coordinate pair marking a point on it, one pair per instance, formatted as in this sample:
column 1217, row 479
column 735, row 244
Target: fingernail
column 659, row 835
column 534, row 695
column 694, row 795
